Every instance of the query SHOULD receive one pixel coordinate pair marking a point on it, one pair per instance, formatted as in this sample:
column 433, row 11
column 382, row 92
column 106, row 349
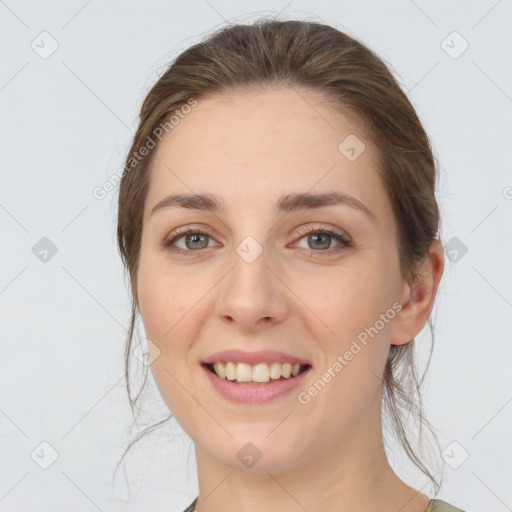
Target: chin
column 257, row 453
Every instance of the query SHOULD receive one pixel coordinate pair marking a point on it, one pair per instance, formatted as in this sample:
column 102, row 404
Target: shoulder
column 192, row 506
column 441, row 506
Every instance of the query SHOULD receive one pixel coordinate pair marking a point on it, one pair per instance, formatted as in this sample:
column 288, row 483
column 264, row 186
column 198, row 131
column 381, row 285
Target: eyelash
column 344, row 242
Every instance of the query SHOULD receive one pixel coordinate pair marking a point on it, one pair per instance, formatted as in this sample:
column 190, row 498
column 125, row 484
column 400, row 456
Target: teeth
column 262, row 372
column 243, row 372
column 219, row 370
column 230, row 371
column 275, row 370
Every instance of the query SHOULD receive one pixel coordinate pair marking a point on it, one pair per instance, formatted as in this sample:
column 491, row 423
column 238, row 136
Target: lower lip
column 259, row 393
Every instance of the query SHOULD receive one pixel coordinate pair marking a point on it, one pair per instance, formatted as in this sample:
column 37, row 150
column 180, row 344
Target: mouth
column 256, row 375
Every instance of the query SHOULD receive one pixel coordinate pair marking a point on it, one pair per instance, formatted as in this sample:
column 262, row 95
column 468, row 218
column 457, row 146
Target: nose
column 253, row 296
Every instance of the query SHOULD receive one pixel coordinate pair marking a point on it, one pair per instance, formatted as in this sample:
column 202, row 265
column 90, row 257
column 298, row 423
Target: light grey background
column 66, row 124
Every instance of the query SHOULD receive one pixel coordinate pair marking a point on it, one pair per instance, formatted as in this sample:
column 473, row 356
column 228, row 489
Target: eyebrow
column 286, row 203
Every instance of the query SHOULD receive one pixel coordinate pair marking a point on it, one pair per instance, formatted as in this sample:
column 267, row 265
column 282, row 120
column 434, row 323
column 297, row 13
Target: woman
column 278, row 221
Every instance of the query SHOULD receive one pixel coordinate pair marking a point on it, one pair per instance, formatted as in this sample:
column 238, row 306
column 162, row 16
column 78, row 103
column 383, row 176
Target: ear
column 417, row 297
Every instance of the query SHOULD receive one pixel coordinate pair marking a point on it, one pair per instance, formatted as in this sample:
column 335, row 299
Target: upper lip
column 252, row 358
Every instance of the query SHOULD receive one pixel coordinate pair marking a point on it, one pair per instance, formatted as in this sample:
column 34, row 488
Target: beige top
column 434, row 505
column 441, row 506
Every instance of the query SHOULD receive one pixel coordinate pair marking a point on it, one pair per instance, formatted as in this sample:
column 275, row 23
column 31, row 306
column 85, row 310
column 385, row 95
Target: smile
column 249, row 391
column 260, row 373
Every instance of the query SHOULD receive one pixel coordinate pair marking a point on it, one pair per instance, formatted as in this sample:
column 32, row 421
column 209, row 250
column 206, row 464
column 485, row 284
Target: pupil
column 315, row 237
column 194, row 239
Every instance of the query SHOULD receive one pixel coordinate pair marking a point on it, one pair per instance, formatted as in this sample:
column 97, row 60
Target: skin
column 249, row 148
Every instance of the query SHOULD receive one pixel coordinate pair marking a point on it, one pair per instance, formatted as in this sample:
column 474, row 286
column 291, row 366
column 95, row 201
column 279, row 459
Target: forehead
column 248, row 145
column 253, row 123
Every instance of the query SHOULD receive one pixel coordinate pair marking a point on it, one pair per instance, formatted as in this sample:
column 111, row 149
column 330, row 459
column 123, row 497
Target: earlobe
column 417, row 298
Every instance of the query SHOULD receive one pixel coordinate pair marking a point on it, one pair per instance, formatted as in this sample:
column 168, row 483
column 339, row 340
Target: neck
column 349, row 474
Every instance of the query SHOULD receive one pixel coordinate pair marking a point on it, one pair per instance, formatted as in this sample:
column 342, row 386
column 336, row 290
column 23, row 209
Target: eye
column 322, row 238
column 319, row 240
column 193, row 240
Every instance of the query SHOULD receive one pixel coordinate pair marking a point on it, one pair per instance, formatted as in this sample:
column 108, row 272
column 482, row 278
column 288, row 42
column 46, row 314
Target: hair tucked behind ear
column 322, row 59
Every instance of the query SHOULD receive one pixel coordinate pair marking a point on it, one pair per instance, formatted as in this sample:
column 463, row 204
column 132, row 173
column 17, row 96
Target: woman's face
column 261, row 275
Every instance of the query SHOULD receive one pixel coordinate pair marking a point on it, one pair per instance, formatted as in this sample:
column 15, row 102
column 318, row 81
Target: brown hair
column 320, row 58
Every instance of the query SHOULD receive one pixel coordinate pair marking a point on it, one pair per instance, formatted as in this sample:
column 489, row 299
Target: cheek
column 350, row 299
column 356, row 344
column 164, row 302
column 358, row 339
column 163, row 298
column 172, row 308
column 157, row 307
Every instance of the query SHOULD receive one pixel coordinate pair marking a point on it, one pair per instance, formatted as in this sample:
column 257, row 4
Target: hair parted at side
column 320, row 58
